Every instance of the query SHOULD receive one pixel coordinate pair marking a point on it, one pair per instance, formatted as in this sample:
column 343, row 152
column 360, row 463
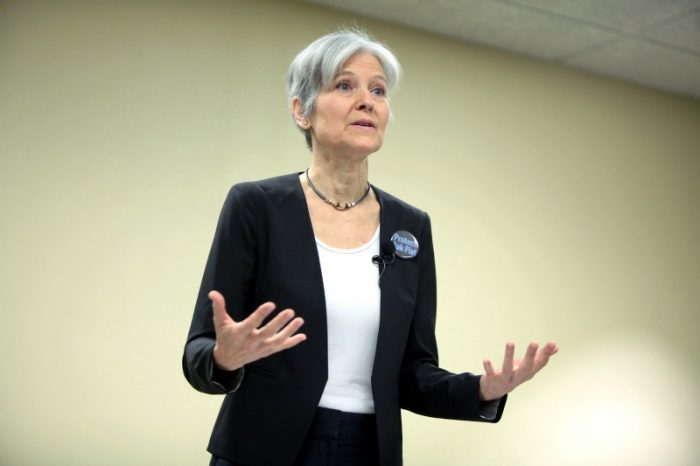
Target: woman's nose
column 364, row 100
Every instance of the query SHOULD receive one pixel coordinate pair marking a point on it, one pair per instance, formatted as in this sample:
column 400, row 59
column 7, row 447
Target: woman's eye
column 379, row 91
column 343, row 86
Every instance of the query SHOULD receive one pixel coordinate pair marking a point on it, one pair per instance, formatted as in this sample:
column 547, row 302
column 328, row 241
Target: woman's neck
column 339, row 178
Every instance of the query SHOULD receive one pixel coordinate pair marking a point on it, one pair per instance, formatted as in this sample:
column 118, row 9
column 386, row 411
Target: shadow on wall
column 622, row 400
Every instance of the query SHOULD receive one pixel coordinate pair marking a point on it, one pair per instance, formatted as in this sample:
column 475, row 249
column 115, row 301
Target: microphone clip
column 386, row 257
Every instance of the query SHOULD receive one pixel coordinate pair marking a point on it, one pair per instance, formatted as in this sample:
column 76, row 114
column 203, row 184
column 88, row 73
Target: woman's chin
column 366, row 147
column 356, row 150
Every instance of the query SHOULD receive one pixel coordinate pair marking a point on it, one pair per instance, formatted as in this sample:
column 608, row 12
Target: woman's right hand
column 239, row 343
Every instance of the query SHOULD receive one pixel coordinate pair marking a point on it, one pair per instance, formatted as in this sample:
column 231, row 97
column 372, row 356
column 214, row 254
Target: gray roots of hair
column 315, row 67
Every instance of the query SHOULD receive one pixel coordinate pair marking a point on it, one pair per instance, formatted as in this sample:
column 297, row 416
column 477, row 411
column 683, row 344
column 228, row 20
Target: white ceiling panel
column 521, row 30
column 645, row 63
column 622, row 15
column 683, row 32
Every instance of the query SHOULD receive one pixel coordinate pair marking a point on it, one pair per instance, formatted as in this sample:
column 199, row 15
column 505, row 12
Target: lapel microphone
column 386, row 256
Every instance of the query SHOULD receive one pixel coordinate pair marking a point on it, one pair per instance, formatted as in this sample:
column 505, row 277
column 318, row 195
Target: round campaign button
column 405, row 243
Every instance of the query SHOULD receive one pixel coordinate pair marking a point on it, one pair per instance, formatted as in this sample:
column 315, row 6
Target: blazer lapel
column 301, row 272
column 397, row 284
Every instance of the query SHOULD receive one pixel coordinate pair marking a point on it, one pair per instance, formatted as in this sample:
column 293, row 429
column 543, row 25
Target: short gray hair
column 315, row 67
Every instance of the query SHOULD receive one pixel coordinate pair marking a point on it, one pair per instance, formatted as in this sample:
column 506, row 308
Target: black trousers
column 335, row 438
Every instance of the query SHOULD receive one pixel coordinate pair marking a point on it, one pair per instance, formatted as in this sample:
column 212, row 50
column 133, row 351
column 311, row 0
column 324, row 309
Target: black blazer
column 264, row 250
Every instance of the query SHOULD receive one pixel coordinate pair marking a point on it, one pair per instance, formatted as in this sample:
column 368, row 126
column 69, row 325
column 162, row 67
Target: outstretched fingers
column 239, row 343
column 276, row 324
column 256, row 318
column 550, row 348
column 508, row 359
column 279, row 334
column 545, row 353
column 494, row 384
column 528, row 363
column 288, row 336
column 488, row 367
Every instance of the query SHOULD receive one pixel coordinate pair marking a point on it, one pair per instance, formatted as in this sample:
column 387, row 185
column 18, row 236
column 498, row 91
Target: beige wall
column 564, row 206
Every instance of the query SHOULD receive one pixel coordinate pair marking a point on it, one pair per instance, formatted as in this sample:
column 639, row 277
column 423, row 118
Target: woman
column 353, row 265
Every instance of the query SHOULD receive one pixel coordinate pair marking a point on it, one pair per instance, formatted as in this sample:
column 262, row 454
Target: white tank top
column 350, row 281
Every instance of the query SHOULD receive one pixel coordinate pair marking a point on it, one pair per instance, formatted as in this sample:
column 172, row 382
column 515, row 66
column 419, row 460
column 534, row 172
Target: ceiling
column 655, row 43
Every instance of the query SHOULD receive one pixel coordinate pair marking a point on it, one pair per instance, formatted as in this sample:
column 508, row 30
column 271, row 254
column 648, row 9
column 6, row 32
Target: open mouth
column 364, row 123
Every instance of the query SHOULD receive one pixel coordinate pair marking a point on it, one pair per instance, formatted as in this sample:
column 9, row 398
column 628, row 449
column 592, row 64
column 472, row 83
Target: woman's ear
column 298, row 114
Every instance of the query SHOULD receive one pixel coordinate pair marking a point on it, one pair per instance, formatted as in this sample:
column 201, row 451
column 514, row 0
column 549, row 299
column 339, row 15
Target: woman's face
column 351, row 116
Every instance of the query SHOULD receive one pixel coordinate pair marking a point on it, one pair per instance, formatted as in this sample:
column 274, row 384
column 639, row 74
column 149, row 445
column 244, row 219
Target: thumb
column 221, row 317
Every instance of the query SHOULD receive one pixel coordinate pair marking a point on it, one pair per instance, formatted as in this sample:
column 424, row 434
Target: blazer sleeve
column 230, row 269
column 425, row 388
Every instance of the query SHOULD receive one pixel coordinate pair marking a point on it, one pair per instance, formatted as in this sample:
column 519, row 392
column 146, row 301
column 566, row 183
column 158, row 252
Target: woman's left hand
column 495, row 384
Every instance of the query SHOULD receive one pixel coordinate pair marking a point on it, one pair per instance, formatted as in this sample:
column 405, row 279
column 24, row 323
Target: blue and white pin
column 405, row 243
